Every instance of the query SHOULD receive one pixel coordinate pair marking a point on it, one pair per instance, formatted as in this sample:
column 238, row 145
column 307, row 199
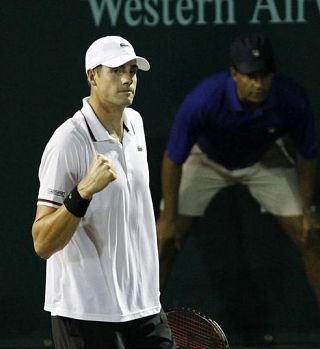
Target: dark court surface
column 301, row 345
column 268, row 342
column 253, row 341
column 291, row 346
column 48, row 344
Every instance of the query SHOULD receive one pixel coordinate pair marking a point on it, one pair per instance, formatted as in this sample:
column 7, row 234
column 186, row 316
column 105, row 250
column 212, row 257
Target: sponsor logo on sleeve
column 57, row 192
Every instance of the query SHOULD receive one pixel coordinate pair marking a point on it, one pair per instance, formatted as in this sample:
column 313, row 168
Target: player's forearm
column 171, row 177
column 53, row 228
column 53, row 231
column 307, row 171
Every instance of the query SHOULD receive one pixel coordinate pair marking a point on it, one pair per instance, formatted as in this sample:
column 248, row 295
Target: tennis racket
column 194, row 330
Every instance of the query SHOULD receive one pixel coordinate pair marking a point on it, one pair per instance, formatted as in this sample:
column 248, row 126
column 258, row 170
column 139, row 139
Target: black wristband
column 75, row 204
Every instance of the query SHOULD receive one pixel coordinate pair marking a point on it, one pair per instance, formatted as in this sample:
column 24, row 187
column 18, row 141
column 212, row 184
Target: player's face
column 252, row 88
column 117, row 86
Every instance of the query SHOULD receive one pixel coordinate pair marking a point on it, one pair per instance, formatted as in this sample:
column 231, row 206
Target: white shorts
column 273, row 182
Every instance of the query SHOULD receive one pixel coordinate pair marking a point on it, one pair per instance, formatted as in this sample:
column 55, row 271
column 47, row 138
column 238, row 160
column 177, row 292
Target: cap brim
column 142, row 63
column 252, row 67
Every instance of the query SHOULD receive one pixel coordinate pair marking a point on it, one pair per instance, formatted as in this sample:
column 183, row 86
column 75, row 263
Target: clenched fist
column 100, row 174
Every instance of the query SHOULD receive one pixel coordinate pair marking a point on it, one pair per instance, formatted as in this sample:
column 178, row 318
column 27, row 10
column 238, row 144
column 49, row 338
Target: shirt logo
column 139, row 148
column 124, row 45
column 255, row 52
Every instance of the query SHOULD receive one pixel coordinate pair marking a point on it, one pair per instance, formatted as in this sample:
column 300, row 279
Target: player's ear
column 91, row 77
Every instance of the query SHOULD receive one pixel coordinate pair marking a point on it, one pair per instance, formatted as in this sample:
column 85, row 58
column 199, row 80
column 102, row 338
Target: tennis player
column 94, row 222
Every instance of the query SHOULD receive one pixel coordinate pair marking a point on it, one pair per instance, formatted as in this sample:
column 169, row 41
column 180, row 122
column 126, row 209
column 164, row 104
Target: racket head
column 192, row 329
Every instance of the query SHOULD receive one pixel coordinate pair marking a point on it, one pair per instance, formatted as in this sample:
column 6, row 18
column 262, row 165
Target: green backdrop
column 237, row 266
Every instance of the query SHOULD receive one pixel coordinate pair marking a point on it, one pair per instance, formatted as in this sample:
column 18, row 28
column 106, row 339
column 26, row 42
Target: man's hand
column 311, row 223
column 100, row 174
column 167, row 233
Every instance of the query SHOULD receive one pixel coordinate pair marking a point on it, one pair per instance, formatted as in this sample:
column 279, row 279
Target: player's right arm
column 187, row 125
column 53, row 228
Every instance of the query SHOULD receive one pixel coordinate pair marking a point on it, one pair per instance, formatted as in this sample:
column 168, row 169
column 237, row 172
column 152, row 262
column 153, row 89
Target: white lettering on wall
column 266, row 5
column 219, row 12
column 132, row 10
column 294, row 11
column 153, row 13
column 184, row 12
column 163, row 12
column 112, row 10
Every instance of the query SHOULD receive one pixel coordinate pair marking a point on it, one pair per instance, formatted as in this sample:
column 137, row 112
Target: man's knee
column 306, row 240
column 312, row 240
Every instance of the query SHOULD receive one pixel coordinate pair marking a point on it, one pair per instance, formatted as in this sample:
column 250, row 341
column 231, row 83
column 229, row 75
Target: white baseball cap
column 112, row 51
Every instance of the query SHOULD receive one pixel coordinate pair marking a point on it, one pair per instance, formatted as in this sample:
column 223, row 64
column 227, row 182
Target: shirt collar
column 96, row 129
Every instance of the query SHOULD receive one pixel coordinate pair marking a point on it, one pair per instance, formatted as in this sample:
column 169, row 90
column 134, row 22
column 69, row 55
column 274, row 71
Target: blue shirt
column 212, row 116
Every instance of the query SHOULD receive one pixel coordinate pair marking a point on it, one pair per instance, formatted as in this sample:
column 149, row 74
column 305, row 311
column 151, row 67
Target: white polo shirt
column 109, row 269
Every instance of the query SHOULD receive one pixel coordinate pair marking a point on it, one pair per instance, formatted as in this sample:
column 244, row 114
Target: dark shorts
column 151, row 332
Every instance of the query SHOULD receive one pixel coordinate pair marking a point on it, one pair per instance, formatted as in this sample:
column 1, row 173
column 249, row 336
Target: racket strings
column 194, row 331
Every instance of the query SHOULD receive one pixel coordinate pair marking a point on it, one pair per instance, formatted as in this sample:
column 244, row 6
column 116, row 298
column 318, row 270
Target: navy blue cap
column 252, row 53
